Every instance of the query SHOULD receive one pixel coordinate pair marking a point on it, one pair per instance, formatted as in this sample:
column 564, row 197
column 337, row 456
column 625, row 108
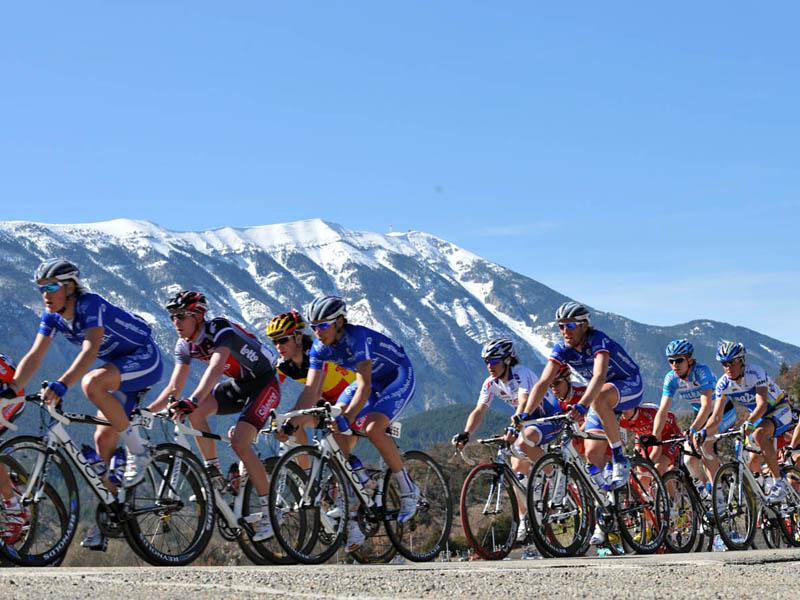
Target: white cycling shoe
column 135, row 466
column 620, row 473
column 263, row 529
column 355, row 537
column 522, row 530
column 95, row 540
column 408, row 505
column 598, row 537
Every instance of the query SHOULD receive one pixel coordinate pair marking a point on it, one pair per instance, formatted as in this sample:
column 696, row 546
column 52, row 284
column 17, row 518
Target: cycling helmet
column 7, row 369
column 326, row 308
column 57, row 268
column 572, row 311
column 285, row 324
column 188, row 300
column 730, row 350
column 501, row 348
column 679, row 348
column 564, row 373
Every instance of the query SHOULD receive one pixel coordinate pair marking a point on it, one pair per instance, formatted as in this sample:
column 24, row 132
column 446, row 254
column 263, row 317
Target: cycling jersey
column 620, row 365
column 357, row 345
column 336, row 378
column 248, row 359
column 520, row 379
column 641, row 423
column 698, row 380
column 123, row 333
column 743, row 390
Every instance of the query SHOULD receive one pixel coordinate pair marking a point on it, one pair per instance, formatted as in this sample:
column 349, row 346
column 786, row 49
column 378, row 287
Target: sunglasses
column 49, row 288
column 321, row 326
column 179, row 316
column 729, row 363
column 676, row 361
column 493, row 362
column 282, row 340
column 570, row 325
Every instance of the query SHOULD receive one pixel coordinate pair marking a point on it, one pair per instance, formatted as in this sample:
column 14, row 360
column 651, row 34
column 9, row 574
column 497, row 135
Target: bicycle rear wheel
column 735, row 509
column 51, row 501
column 422, row 537
column 489, row 511
column 559, row 508
column 377, row 547
column 171, row 512
column 642, row 508
column 309, row 517
column 790, row 511
column 683, row 524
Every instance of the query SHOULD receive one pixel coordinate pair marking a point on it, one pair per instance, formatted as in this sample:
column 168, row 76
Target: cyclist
column 615, row 385
column 251, row 390
column 15, row 514
column 105, row 332
column 383, row 387
column 694, row 383
column 770, row 415
column 286, row 332
column 512, row 382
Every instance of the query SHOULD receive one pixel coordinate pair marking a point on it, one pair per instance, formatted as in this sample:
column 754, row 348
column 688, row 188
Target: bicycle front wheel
column 642, row 508
column 683, row 524
column 422, row 537
column 170, row 513
column 559, row 508
column 50, row 499
column 489, row 511
column 734, row 504
column 309, row 515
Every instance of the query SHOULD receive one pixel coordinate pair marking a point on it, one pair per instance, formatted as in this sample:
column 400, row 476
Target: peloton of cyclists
column 252, row 389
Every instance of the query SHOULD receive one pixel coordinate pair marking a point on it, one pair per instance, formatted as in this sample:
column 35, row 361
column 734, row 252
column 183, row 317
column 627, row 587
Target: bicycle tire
column 378, row 547
column 491, row 538
column 790, row 518
column 310, row 533
column 170, row 513
column 641, row 508
column 561, row 513
column 430, row 525
column 682, row 530
column 54, row 517
column 771, row 530
column 736, row 520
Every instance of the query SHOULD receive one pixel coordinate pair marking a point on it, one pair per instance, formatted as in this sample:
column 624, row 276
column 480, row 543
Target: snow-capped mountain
column 440, row 301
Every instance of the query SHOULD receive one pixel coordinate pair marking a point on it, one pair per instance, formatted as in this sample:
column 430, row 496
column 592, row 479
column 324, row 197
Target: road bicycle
column 564, row 513
column 167, row 517
column 311, row 528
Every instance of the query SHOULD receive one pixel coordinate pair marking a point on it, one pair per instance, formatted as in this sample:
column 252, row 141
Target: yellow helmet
column 285, row 324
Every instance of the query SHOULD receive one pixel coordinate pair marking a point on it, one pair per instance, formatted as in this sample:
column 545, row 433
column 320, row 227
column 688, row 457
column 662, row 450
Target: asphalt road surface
column 739, row 575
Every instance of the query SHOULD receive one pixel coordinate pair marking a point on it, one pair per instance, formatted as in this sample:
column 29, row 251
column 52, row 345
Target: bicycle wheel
column 422, row 537
column 309, row 516
column 52, row 502
column 270, row 549
column 734, row 507
column 684, row 519
column 377, row 547
column 559, row 508
column 489, row 511
column 771, row 530
column 170, row 513
column 790, row 508
column 642, row 508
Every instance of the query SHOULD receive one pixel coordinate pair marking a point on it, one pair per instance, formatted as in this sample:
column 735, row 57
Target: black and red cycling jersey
column 249, row 359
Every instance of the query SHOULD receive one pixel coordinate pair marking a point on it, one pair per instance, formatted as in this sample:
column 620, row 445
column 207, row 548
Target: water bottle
column 117, row 467
column 608, row 474
column 93, row 460
column 523, row 479
column 358, row 468
column 702, row 490
column 599, row 477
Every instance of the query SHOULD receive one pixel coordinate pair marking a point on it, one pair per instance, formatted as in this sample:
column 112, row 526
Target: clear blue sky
column 642, row 159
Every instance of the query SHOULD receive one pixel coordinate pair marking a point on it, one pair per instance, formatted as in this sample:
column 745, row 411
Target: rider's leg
column 98, row 385
column 242, row 444
column 199, row 420
column 375, row 427
column 6, row 486
column 596, row 451
column 763, row 437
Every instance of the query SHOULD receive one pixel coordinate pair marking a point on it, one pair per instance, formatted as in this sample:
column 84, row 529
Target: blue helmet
column 679, row 348
column 729, row 351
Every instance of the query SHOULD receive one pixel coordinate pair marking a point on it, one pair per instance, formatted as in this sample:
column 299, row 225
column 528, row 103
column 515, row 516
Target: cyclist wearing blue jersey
column 694, row 383
column 105, row 332
column 770, row 414
column 383, row 387
column 615, row 385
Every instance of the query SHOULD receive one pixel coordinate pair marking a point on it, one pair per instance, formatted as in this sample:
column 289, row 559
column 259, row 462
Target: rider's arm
column 598, row 378
column 212, row 374
column 475, row 418
column 661, row 416
column 363, row 390
column 312, row 391
column 93, row 339
column 706, row 407
column 31, row 362
column 716, row 416
column 180, row 374
column 540, row 387
column 762, row 405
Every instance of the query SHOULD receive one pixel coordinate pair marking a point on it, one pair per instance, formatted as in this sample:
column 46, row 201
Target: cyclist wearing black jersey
column 252, row 389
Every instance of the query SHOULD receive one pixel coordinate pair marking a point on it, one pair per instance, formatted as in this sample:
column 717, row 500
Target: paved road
column 740, row 575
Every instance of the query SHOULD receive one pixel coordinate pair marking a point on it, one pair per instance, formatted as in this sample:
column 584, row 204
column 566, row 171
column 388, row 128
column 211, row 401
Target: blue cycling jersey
column 124, row 333
column 620, row 365
column 698, row 380
column 357, row 345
